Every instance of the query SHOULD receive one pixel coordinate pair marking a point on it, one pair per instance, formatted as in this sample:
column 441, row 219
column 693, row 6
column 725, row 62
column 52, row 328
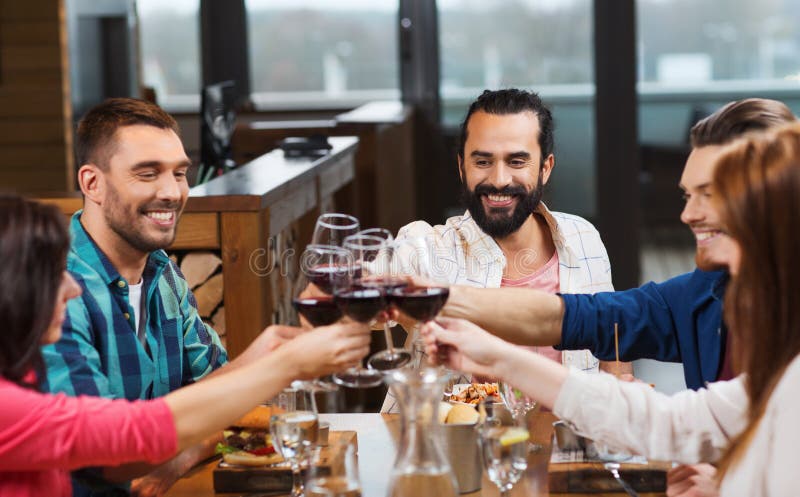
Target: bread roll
column 462, row 414
column 258, row 418
column 444, row 410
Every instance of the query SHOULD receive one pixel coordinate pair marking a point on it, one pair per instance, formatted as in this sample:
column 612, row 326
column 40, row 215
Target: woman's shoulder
column 784, row 404
column 788, row 385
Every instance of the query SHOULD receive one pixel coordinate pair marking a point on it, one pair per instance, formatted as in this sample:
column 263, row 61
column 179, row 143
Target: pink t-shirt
column 43, row 436
column 546, row 279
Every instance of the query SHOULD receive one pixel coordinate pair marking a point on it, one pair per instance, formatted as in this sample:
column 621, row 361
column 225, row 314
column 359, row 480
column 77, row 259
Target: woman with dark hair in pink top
column 43, row 436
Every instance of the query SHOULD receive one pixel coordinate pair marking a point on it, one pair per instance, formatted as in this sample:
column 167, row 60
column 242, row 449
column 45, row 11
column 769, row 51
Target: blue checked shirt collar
column 87, row 250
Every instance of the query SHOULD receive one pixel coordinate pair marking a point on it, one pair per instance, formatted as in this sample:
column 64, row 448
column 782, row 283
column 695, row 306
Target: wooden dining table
column 378, row 436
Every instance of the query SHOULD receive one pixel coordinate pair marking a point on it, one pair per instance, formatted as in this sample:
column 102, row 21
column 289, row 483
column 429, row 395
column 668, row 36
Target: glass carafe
column 421, row 468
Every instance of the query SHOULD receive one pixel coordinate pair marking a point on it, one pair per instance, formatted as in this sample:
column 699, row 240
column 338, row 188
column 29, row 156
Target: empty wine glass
column 503, row 449
column 294, row 434
column 332, row 228
column 361, row 303
column 519, row 405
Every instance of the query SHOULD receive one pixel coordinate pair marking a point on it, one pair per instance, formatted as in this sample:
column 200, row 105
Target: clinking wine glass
column 361, row 304
column 422, row 303
column 519, row 405
column 327, row 267
column 332, row 228
column 376, row 262
column 294, row 435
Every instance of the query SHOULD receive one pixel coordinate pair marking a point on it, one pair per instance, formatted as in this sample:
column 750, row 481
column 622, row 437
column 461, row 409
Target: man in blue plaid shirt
column 135, row 332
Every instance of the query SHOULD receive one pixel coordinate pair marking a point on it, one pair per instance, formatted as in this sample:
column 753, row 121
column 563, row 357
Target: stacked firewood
column 203, row 273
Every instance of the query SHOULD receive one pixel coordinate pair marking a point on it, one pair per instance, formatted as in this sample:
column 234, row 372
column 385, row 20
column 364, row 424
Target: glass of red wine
column 421, row 301
column 362, row 301
column 323, row 269
column 332, row 228
column 326, row 268
column 378, row 271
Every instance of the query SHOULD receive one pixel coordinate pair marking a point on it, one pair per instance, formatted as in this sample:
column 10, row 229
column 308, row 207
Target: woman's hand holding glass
column 460, row 345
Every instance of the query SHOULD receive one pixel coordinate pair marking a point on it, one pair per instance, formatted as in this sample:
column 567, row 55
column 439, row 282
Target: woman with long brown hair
column 748, row 425
column 42, row 436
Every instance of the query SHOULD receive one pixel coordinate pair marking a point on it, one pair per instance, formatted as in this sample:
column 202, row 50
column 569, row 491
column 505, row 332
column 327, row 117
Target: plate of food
column 248, row 442
column 474, row 393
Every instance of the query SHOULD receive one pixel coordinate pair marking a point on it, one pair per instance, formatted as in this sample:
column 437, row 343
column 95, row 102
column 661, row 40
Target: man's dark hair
column 737, row 118
column 98, row 126
column 512, row 101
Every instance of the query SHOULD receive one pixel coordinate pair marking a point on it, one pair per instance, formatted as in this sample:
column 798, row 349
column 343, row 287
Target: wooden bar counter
column 384, row 194
column 377, row 440
column 257, row 218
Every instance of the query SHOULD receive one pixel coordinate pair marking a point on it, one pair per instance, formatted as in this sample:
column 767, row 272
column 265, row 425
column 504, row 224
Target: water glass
column 294, row 434
column 334, row 473
column 504, row 450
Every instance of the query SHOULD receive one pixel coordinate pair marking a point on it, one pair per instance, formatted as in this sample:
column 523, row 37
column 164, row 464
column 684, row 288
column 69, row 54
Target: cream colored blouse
column 693, row 426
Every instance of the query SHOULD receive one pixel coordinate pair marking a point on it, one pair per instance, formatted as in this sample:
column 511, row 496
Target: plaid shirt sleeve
column 604, row 281
column 202, row 349
column 73, row 363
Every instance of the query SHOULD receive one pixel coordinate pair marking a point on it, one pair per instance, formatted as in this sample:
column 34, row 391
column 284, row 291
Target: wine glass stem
column 418, row 347
column 387, row 332
column 297, row 481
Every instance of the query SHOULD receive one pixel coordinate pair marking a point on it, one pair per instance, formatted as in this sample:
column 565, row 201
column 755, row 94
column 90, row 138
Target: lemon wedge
column 514, row 436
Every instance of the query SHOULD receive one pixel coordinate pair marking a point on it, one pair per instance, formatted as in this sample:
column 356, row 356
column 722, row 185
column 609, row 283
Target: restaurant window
column 169, row 43
column 542, row 45
column 694, row 56
column 323, row 54
column 690, row 43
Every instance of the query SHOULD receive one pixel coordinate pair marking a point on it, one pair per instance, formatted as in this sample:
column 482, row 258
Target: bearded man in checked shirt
column 508, row 237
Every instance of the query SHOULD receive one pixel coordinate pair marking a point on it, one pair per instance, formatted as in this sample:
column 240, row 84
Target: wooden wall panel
column 16, row 57
column 29, row 79
column 28, row 10
column 28, row 33
column 28, row 158
column 31, row 131
column 16, row 104
column 35, row 109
